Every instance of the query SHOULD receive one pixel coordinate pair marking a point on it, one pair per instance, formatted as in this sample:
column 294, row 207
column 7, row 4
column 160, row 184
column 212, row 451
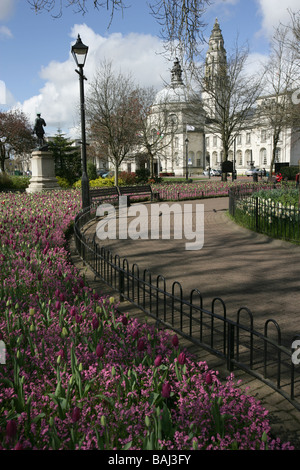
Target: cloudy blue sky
column 37, row 71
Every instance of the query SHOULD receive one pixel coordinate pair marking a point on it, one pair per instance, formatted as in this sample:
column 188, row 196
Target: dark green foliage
column 13, row 183
column 289, row 172
column 67, row 158
column 142, row 175
column 91, row 171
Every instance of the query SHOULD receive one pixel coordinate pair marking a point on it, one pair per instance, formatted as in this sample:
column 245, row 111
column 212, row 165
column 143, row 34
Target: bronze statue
column 39, row 131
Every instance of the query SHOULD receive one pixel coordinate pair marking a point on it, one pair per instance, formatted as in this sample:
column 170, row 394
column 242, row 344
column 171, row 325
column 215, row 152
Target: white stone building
column 191, row 140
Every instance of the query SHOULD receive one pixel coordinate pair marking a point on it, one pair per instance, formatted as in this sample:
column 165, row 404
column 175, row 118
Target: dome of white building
column 175, row 92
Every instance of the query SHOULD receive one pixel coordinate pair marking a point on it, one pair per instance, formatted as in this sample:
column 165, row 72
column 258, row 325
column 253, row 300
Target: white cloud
column 58, row 99
column 5, row 32
column 275, row 12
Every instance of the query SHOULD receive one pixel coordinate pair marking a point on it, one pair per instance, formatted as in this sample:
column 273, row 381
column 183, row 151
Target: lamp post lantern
column 79, row 52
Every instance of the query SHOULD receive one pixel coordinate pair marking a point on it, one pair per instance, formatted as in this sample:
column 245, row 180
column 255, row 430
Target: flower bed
column 77, row 375
column 196, row 190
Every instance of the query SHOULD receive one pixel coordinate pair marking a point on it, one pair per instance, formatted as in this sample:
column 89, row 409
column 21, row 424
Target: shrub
column 127, row 179
column 289, row 172
column 142, row 175
column 91, row 171
column 63, row 182
column 17, row 183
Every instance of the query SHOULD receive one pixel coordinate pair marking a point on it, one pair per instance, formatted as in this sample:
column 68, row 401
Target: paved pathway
column 241, row 267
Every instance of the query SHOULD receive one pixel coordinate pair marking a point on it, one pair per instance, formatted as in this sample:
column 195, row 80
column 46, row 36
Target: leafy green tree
column 15, row 135
column 67, row 158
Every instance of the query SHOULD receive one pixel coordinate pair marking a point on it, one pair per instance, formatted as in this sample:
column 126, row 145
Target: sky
column 37, row 70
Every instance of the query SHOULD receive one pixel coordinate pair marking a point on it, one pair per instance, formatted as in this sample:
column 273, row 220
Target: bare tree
column 113, row 109
column 277, row 110
column 229, row 95
column 157, row 127
column 16, row 135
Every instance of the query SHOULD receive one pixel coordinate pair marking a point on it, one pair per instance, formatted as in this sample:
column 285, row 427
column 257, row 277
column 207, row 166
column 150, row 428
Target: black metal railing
column 240, row 346
column 263, row 215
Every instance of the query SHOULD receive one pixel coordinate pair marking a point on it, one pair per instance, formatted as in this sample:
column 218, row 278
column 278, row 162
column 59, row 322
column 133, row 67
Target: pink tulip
column 95, row 323
column 158, row 361
column 75, row 414
column 99, row 350
column 175, row 341
column 141, row 345
column 11, row 429
column 166, row 390
column 181, row 358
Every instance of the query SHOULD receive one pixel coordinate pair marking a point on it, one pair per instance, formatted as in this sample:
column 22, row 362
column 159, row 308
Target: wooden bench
column 138, row 190
column 100, row 194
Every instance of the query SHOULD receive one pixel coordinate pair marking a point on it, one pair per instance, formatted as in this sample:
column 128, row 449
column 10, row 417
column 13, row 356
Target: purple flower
column 18, row 446
column 75, row 415
column 57, row 305
column 181, row 358
column 141, row 345
column 157, row 361
column 135, row 334
column 73, row 311
column 11, row 429
column 95, row 323
column 99, row 350
column 61, row 353
column 175, row 341
column 124, row 320
column 208, row 378
column 166, row 390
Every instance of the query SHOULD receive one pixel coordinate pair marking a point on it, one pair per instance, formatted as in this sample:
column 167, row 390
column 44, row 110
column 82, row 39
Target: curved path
column 241, row 267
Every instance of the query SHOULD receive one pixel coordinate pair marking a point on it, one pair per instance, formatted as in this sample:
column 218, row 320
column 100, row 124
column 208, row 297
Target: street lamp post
column 79, row 52
column 186, row 158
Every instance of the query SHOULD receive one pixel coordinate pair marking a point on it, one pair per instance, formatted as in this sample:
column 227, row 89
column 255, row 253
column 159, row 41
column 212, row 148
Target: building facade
column 191, row 147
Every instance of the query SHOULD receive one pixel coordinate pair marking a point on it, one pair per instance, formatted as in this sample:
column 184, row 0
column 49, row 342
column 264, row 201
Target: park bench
column 138, row 190
column 101, row 194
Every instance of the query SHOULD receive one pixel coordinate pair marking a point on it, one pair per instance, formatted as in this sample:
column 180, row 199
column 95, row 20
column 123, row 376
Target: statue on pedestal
column 39, row 131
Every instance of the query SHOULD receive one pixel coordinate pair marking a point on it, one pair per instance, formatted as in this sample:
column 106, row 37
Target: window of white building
column 263, row 156
column 239, row 158
column 263, row 136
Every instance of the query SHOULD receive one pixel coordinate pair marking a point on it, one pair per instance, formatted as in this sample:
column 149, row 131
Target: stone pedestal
column 43, row 172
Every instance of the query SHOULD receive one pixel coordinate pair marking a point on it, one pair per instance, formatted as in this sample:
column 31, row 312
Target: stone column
column 43, row 172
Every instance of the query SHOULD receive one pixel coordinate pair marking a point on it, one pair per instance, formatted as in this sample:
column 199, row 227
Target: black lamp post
column 79, row 52
column 186, row 158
